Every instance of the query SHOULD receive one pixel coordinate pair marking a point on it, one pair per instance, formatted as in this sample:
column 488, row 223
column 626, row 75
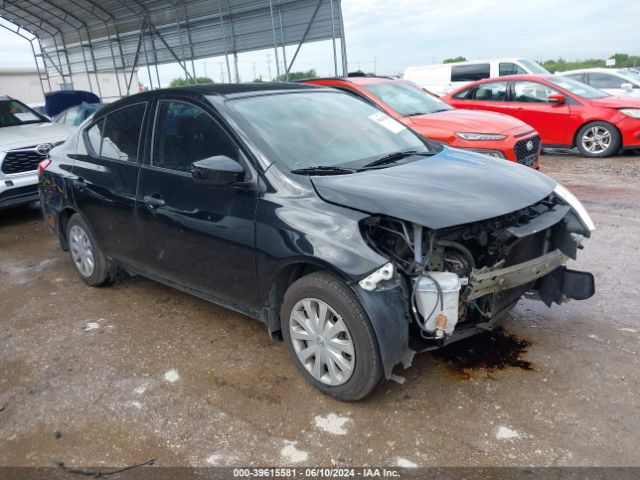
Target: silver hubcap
column 321, row 341
column 596, row 139
column 81, row 251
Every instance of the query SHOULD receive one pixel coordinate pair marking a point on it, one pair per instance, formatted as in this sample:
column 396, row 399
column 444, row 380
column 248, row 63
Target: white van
column 444, row 78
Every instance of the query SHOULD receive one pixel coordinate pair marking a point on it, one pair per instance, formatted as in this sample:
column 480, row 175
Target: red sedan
column 567, row 113
column 496, row 135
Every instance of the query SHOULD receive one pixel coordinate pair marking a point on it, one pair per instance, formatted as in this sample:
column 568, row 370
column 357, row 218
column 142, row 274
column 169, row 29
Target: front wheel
column 598, row 139
column 330, row 338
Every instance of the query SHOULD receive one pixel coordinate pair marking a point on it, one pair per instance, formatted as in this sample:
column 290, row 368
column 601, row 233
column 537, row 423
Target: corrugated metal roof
column 79, row 36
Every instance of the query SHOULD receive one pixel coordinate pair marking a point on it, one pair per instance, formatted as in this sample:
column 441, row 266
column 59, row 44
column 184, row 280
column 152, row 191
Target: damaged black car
column 355, row 240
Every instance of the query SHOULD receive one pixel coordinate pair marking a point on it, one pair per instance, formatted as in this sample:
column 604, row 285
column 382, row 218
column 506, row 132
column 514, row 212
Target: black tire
column 612, row 149
column 103, row 271
column 367, row 369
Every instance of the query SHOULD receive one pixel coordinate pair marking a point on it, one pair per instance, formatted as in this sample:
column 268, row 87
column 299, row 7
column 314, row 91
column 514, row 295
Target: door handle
column 153, row 201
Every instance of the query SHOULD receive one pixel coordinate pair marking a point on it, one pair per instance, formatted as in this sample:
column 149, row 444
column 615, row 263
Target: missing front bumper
column 484, row 282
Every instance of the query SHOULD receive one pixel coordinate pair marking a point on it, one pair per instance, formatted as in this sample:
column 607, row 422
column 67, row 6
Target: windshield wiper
column 394, row 157
column 323, row 170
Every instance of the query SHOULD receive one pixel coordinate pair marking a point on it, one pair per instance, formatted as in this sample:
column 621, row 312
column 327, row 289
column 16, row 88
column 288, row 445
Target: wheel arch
column 63, row 220
column 282, row 279
column 575, row 133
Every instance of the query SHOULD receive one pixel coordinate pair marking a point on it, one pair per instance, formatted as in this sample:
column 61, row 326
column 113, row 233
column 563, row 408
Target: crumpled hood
column 32, row 134
column 475, row 121
column 451, row 188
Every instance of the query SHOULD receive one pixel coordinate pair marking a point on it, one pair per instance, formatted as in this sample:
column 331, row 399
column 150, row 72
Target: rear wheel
column 598, row 139
column 92, row 266
column 330, row 338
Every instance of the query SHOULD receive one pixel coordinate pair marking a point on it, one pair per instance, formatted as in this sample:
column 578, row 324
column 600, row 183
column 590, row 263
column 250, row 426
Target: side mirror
column 557, row 99
column 218, row 171
column 627, row 86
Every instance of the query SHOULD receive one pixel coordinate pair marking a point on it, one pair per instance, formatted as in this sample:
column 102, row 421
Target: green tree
column 623, row 60
column 454, row 60
column 293, row 76
column 181, row 82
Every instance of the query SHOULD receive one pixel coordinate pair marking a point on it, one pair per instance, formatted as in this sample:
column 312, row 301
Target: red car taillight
column 43, row 165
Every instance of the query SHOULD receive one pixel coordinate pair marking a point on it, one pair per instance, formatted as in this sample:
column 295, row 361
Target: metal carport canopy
column 71, row 37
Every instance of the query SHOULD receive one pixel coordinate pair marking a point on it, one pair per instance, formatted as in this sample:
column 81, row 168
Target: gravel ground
column 115, row 376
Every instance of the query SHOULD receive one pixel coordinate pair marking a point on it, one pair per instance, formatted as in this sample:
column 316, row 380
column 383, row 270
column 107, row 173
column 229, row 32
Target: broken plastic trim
column 385, row 272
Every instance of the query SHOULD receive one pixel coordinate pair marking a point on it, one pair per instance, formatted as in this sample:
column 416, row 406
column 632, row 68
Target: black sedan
column 351, row 237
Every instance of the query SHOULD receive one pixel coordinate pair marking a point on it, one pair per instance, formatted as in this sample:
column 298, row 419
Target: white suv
column 25, row 140
column 618, row 82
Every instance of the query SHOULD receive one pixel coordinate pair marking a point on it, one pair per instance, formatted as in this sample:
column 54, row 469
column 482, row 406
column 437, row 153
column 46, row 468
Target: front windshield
column 323, row 128
column 577, row 88
column 534, row 67
column 406, row 99
column 633, row 74
column 13, row 113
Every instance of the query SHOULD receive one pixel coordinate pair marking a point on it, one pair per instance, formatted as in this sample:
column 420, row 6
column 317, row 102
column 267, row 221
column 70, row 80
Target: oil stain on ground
column 481, row 355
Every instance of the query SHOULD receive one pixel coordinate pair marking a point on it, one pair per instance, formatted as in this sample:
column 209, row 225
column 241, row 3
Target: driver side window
column 184, row 133
column 532, row 92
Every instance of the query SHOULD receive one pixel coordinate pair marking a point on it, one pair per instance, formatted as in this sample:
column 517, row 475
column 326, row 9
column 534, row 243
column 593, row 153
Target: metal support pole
column 233, row 43
column 155, row 31
column 35, row 58
column 284, row 51
column 333, row 39
column 186, row 21
column 175, row 11
column 135, row 61
column 343, row 44
column 53, row 35
column 306, row 32
column 146, row 55
column 275, row 45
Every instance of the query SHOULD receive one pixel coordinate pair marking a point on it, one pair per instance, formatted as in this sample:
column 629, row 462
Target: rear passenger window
column 579, row 77
column 185, row 134
column 117, row 136
column 470, row 73
column 121, row 134
column 491, row 92
column 94, row 136
column 603, row 80
column 508, row 68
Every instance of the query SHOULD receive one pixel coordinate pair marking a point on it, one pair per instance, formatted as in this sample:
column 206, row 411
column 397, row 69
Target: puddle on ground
column 481, row 355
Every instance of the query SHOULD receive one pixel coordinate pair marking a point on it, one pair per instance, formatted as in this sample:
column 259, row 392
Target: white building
column 24, row 84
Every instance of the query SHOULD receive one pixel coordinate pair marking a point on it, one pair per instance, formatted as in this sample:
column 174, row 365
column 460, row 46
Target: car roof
column 594, row 69
column 226, row 90
column 465, row 62
column 505, row 78
column 363, row 80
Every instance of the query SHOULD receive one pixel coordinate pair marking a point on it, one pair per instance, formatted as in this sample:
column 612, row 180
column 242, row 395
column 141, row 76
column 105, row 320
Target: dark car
column 350, row 236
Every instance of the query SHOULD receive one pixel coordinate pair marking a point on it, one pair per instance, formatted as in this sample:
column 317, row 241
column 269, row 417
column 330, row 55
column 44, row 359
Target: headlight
column 577, row 206
column 490, row 153
column 480, row 136
column 631, row 112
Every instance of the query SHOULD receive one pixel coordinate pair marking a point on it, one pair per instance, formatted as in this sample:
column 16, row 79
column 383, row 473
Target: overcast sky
column 392, row 35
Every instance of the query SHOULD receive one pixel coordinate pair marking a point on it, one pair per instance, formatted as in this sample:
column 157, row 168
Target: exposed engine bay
column 471, row 275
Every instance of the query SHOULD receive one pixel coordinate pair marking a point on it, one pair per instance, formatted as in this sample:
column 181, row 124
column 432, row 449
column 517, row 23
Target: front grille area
column 19, row 192
column 22, row 160
column 525, row 155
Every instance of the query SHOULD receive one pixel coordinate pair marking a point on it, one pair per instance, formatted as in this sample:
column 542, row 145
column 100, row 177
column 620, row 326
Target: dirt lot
column 119, row 375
